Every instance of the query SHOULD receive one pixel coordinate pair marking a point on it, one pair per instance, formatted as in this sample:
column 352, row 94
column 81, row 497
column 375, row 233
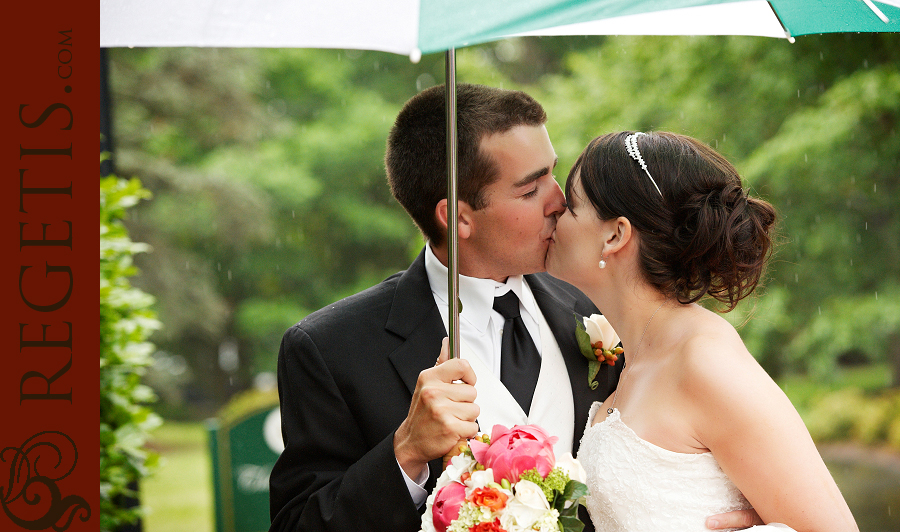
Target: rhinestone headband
column 632, row 147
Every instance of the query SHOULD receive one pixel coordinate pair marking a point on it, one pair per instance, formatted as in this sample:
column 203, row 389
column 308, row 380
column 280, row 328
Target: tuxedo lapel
column 561, row 310
column 414, row 317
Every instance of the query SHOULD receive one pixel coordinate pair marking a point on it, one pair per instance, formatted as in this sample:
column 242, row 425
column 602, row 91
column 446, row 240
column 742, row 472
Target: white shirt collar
column 476, row 295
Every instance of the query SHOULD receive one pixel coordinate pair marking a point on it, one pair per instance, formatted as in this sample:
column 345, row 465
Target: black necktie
column 520, row 362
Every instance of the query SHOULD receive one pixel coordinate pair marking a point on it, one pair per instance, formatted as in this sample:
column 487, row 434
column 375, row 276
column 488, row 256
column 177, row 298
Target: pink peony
column 446, row 505
column 516, row 450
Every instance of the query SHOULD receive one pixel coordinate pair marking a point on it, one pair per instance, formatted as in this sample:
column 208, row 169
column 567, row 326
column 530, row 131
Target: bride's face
column 575, row 246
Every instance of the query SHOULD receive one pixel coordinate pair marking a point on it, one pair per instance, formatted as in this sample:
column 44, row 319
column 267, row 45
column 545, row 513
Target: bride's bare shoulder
column 712, row 356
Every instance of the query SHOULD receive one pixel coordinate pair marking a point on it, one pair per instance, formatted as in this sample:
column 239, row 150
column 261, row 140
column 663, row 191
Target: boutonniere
column 597, row 341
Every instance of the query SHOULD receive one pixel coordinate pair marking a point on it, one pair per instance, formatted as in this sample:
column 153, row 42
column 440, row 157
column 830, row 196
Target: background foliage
column 126, row 321
column 270, row 198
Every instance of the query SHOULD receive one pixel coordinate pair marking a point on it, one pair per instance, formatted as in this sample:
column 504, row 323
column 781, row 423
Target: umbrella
column 414, row 27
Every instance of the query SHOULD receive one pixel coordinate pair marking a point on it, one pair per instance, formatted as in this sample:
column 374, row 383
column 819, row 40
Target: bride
column 696, row 427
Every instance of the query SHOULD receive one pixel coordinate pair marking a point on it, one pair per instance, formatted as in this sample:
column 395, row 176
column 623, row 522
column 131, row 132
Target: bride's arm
column 758, row 438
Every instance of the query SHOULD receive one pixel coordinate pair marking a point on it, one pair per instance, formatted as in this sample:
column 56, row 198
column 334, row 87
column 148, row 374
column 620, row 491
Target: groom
column 366, row 412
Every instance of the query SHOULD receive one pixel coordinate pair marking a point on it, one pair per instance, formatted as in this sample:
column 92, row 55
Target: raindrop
column 229, row 275
column 858, row 238
column 229, row 360
column 805, row 158
column 278, row 266
column 798, row 93
column 876, row 295
column 353, row 54
column 506, row 51
column 717, row 144
column 424, row 81
column 875, row 187
column 293, row 214
column 853, row 180
column 851, row 262
column 866, row 63
column 219, row 266
column 796, row 278
column 821, row 56
column 867, row 226
column 277, row 107
column 820, row 310
column 177, row 365
column 187, row 265
column 265, row 381
column 376, row 65
column 723, row 137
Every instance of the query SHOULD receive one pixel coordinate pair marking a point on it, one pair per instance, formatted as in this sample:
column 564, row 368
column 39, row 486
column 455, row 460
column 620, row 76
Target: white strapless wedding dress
column 636, row 486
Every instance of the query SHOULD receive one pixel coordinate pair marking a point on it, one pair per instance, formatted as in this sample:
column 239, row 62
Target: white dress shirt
column 480, row 326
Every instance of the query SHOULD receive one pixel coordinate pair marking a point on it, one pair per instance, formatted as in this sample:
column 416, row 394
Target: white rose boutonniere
column 597, row 341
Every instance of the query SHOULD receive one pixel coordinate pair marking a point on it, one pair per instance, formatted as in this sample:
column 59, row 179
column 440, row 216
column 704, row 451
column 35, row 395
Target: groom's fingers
column 442, row 412
column 734, row 520
column 445, row 351
column 453, row 370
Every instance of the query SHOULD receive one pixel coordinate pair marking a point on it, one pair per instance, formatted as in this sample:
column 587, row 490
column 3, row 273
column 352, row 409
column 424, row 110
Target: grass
column 179, row 495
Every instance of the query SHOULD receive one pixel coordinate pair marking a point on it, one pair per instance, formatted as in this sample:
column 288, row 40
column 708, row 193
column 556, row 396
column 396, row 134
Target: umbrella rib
column 877, row 11
column 787, row 32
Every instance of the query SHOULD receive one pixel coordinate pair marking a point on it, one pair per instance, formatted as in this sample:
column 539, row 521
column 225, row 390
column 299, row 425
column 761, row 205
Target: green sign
column 244, row 443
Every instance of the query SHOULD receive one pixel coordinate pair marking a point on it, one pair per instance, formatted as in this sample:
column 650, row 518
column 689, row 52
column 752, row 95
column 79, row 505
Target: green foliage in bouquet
column 560, row 489
column 126, row 320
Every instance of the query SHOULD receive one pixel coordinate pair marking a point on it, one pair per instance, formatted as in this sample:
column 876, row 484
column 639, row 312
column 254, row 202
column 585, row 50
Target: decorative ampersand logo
column 32, row 499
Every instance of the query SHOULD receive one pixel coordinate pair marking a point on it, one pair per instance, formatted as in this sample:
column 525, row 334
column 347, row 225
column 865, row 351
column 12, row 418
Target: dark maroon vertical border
column 49, row 393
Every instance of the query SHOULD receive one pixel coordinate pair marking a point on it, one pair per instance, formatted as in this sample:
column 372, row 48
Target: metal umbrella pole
column 452, row 207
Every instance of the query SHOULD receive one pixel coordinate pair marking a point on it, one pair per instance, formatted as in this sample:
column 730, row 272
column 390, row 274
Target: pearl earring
column 602, row 263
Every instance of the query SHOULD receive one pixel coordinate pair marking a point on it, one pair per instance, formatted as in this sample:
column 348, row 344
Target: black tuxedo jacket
column 346, row 374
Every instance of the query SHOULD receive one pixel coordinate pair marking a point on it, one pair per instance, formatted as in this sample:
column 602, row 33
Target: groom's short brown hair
column 416, row 156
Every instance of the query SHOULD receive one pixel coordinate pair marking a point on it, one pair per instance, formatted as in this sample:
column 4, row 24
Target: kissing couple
column 689, row 434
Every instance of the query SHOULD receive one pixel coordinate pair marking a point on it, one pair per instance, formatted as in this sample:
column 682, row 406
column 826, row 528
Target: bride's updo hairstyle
column 699, row 233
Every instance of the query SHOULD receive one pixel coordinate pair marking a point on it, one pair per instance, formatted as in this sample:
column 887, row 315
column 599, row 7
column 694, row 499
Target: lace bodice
column 638, row 487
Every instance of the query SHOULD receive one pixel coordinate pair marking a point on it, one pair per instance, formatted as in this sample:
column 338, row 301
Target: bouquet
column 508, row 482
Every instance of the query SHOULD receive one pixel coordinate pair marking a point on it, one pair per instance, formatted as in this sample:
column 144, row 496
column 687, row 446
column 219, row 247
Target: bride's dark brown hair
column 703, row 235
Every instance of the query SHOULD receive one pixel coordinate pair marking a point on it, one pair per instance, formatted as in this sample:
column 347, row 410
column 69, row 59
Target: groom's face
column 512, row 233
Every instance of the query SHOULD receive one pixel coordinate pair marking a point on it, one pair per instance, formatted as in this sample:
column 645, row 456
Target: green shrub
column 832, row 417
column 126, row 321
column 850, row 414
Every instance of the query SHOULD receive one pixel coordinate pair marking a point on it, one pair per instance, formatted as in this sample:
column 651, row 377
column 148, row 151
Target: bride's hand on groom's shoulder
column 442, row 412
column 736, row 519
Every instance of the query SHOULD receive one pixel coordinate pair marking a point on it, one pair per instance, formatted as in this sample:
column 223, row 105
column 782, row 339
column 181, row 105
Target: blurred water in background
column 870, row 484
